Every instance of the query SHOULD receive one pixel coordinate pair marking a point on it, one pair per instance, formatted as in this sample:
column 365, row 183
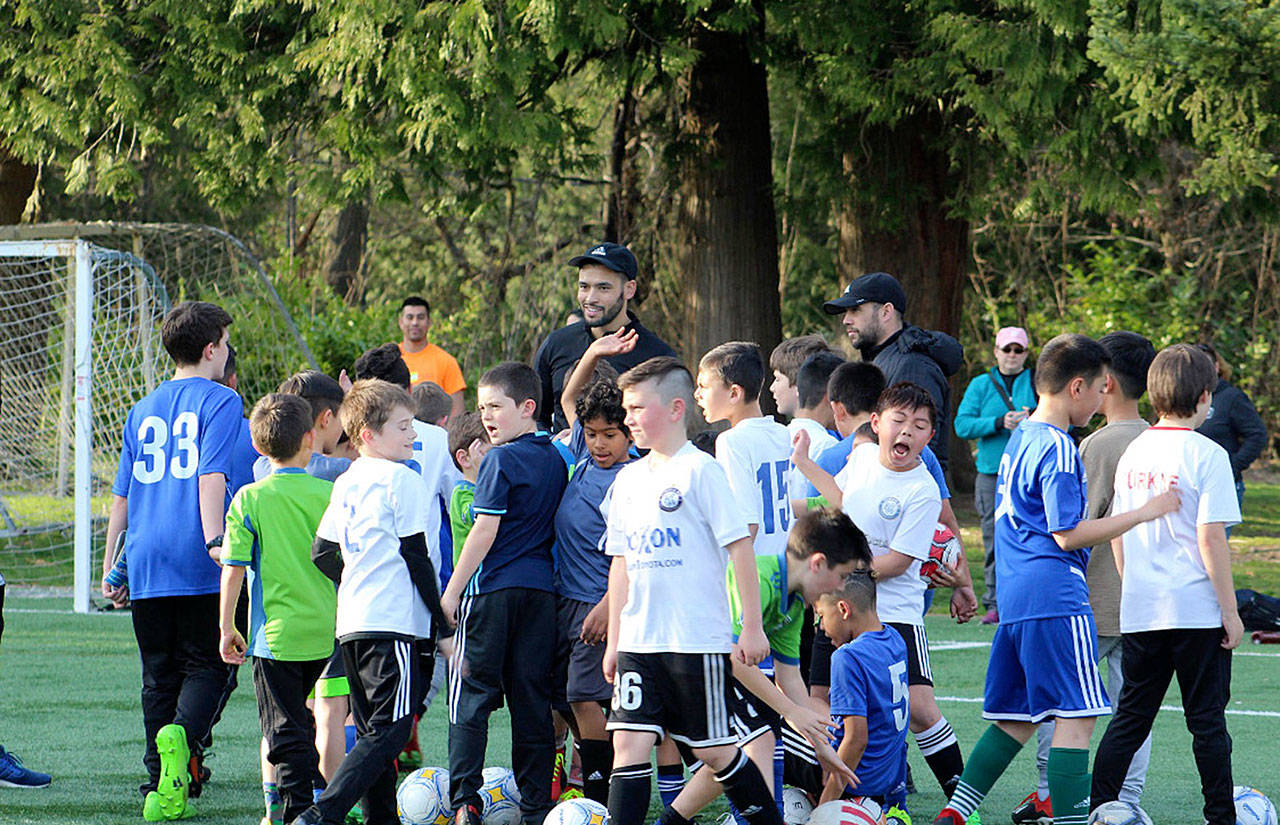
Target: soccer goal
column 80, row 312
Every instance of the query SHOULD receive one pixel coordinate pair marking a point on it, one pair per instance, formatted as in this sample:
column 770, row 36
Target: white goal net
column 80, row 312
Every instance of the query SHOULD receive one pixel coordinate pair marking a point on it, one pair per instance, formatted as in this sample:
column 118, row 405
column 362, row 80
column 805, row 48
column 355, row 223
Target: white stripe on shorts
column 1086, row 667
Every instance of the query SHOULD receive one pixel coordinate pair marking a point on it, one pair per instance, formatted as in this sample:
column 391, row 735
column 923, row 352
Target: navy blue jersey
column 834, row 458
column 1040, row 490
column 521, row 482
column 582, row 568
column 184, row 429
column 869, row 679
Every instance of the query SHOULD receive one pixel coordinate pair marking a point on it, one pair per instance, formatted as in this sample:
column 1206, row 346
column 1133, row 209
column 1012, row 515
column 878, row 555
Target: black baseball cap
column 874, row 287
column 613, row 256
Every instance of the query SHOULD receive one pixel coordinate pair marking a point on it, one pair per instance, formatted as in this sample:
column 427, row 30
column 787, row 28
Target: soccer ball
column 423, row 798
column 860, row 810
column 580, row 811
column 796, row 806
column 1253, row 807
column 1119, row 813
column 945, row 549
column 499, row 797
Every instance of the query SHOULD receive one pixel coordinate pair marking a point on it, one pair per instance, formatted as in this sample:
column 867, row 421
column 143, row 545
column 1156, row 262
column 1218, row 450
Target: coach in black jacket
column 873, row 306
column 1233, row 423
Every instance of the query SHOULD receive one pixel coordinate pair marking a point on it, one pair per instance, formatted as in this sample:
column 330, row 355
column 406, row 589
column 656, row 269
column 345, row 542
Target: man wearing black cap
column 872, row 307
column 606, row 282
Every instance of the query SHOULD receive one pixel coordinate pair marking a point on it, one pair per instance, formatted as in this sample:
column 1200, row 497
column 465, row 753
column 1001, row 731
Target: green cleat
column 169, row 800
column 897, row 815
column 973, row 819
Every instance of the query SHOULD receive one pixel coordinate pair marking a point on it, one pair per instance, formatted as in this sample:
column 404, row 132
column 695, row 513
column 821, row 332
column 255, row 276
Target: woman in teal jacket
column 993, row 405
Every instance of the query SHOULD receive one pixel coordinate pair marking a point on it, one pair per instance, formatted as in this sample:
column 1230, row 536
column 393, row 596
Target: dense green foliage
column 1114, row 164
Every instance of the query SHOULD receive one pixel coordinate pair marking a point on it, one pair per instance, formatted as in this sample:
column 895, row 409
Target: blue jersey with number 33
column 186, row 428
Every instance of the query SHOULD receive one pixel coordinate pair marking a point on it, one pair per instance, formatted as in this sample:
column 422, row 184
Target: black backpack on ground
column 1258, row 611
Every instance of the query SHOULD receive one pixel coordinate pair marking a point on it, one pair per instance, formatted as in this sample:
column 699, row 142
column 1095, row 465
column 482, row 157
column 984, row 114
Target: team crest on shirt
column 670, row 500
column 890, row 508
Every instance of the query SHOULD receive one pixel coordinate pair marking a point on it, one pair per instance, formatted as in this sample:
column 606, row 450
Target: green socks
column 1069, row 782
column 993, row 753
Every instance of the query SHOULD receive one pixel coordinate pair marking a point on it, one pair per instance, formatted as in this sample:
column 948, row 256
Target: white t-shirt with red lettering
column 1165, row 585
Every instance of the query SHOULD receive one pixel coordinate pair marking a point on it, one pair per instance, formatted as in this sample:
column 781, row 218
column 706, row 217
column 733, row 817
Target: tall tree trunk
column 346, row 251
column 896, row 217
column 896, row 220
column 728, row 229
column 17, row 182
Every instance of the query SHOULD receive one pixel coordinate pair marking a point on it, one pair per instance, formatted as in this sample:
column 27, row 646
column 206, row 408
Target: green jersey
column 782, row 612
column 461, row 517
column 270, row 527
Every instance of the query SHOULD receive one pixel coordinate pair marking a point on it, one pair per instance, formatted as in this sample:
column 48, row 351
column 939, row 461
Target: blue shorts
column 1043, row 668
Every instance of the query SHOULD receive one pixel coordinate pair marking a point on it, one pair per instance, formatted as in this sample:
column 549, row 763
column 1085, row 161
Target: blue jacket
column 981, row 415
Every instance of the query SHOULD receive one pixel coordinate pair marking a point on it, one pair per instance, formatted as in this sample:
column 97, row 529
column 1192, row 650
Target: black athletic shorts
column 800, row 766
column 820, row 660
column 579, row 666
column 918, row 670
column 684, row 695
column 750, row 716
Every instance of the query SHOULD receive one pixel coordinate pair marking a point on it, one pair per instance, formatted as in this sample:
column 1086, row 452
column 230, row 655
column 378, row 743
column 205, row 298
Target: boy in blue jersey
column 1043, row 661
column 170, row 495
column 502, row 597
column 869, row 698
column 600, row 444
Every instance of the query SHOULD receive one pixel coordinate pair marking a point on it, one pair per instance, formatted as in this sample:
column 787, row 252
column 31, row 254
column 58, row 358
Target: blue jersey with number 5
column 186, row 428
column 869, row 679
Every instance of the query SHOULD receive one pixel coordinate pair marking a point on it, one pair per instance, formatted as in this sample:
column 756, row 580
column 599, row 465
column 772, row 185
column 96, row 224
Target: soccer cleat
column 311, row 816
column 992, row 617
column 13, row 774
column 897, row 815
column 1032, row 811
column 948, row 817
column 570, row 793
column 411, row 757
column 199, row 774
column 169, row 800
column 468, row 815
column 973, row 819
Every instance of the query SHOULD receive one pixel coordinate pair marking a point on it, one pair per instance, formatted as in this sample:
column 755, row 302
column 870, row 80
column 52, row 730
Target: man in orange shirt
column 427, row 362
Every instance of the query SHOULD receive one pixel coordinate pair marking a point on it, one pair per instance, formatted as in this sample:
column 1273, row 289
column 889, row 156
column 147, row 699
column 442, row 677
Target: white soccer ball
column 499, row 797
column 1119, row 813
column 423, row 798
column 1253, row 807
column 796, row 806
column 860, row 810
column 580, row 811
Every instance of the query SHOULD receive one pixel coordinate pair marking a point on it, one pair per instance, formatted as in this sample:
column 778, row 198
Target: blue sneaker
column 14, row 775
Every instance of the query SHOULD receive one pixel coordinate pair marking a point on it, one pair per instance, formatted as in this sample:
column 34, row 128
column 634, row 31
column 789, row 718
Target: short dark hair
column 737, row 362
column 370, row 404
column 431, row 402
column 278, row 423
column 463, row 431
column 190, row 327
column 787, row 357
column 856, row 385
column 603, row 400
column 858, row 589
column 828, row 530
column 1131, row 356
column 316, row 388
column 1179, row 375
column 385, row 364
column 672, row 378
column 517, row 381
column 414, row 301
column 1066, row 357
column 907, row 396
column 865, row 430
column 812, row 378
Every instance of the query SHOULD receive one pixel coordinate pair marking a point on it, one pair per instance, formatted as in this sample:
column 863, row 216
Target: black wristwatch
column 216, row 541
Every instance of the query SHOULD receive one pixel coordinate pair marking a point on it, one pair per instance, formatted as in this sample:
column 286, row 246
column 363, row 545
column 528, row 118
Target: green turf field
column 69, row 706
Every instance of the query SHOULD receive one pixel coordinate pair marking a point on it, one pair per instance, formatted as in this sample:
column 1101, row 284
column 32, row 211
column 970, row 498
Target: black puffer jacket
column 924, row 357
column 1236, row 426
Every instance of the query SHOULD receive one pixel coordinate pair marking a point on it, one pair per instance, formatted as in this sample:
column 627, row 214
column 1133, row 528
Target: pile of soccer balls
column 1252, row 808
column 423, row 799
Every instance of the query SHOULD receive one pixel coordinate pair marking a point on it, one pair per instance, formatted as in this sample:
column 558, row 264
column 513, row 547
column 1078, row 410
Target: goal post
column 80, row 313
